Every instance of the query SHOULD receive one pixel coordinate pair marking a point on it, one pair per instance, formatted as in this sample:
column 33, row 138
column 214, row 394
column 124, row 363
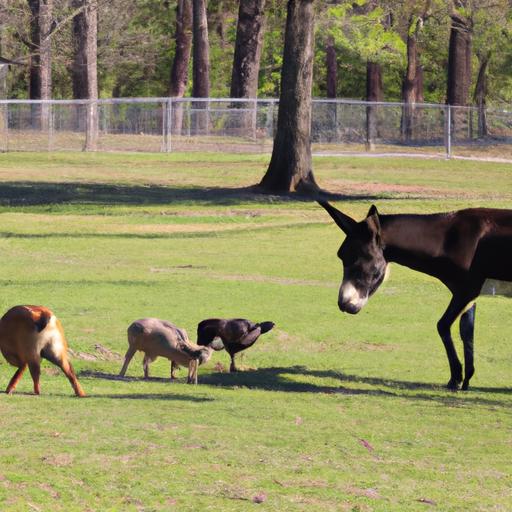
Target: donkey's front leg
column 444, row 329
column 467, row 329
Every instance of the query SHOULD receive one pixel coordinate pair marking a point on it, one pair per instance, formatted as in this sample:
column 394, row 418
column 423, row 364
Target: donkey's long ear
column 373, row 219
column 344, row 222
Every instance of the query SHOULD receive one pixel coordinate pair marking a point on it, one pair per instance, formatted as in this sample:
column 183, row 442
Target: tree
column 374, row 87
column 480, row 95
column 40, row 65
column 179, row 70
column 85, row 79
column 374, row 93
column 330, row 64
column 40, row 82
column 459, row 56
column 201, row 63
column 290, row 166
column 246, row 60
column 365, row 30
column 412, row 85
column 249, row 37
column 492, row 28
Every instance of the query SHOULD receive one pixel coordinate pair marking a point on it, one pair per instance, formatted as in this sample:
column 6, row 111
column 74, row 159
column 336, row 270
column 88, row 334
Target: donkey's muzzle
column 349, row 307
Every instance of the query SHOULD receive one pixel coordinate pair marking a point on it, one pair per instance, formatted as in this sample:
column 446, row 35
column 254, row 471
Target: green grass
column 334, row 412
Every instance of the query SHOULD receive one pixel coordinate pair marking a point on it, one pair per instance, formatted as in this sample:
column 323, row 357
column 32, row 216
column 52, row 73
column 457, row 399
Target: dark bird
column 236, row 334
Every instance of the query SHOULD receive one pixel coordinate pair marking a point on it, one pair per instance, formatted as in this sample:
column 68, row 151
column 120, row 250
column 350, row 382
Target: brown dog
column 29, row 333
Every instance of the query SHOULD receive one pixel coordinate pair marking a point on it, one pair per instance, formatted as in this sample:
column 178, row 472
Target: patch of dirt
column 219, row 367
column 102, row 353
column 367, row 346
column 217, row 213
column 351, row 187
column 195, row 447
column 310, row 483
column 106, row 354
column 367, row 493
column 318, row 504
column 50, row 490
column 52, row 371
column 59, row 460
column 286, row 281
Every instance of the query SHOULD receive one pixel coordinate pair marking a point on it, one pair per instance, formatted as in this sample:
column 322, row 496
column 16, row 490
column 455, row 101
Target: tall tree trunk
column 246, row 63
column 201, row 64
column 374, row 92
column 374, row 87
column 4, row 70
column 84, row 73
column 40, row 62
column 481, row 94
column 332, row 68
column 459, row 58
column 249, row 37
column 179, row 71
column 4, row 67
column 412, row 85
column 290, row 167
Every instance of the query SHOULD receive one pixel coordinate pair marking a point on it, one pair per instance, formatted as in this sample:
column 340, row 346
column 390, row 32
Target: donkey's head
column 364, row 265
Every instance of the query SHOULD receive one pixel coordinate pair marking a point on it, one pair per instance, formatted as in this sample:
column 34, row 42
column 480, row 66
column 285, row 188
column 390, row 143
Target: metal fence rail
column 241, row 125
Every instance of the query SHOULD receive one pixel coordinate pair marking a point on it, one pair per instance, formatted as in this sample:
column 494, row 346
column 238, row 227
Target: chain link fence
column 248, row 126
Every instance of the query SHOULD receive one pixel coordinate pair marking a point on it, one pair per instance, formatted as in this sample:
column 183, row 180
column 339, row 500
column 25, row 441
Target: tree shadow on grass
column 281, row 379
column 34, row 193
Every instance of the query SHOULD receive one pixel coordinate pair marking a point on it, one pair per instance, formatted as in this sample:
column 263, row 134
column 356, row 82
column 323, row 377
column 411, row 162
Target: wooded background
column 455, row 51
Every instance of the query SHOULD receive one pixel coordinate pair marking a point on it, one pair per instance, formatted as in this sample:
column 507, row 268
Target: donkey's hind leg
column 455, row 308
column 467, row 329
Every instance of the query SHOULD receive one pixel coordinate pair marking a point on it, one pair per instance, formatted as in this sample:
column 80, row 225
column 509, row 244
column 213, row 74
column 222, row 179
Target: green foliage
column 136, row 45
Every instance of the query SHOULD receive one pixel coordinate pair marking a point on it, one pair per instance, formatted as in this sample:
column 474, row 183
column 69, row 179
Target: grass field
column 333, row 412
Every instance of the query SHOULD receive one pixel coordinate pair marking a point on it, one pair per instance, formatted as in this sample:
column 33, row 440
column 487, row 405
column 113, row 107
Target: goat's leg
column 192, row 371
column 127, row 358
column 15, row 379
column 174, row 367
column 467, row 329
column 35, row 372
column 145, row 366
column 456, row 306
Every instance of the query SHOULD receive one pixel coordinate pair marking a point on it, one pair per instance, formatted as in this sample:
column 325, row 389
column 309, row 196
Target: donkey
column 461, row 249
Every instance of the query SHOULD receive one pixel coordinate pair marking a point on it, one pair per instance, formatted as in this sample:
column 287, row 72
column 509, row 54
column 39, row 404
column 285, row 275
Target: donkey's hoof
column 465, row 385
column 453, row 385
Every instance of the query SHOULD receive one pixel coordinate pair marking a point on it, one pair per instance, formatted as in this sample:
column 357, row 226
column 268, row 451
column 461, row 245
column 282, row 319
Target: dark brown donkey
column 461, row 249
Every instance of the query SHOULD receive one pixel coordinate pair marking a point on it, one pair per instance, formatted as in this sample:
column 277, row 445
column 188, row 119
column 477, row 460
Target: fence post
column 167, row 124
column 4, row 126
column 91, row 126
column 50, row 127
column 448, row 130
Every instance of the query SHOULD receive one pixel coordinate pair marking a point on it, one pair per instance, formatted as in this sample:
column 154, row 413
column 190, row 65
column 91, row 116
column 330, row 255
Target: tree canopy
column 136, row 44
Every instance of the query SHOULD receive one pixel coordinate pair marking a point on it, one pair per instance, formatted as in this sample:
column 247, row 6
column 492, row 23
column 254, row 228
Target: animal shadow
column 140, row 396
column 282, row 379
